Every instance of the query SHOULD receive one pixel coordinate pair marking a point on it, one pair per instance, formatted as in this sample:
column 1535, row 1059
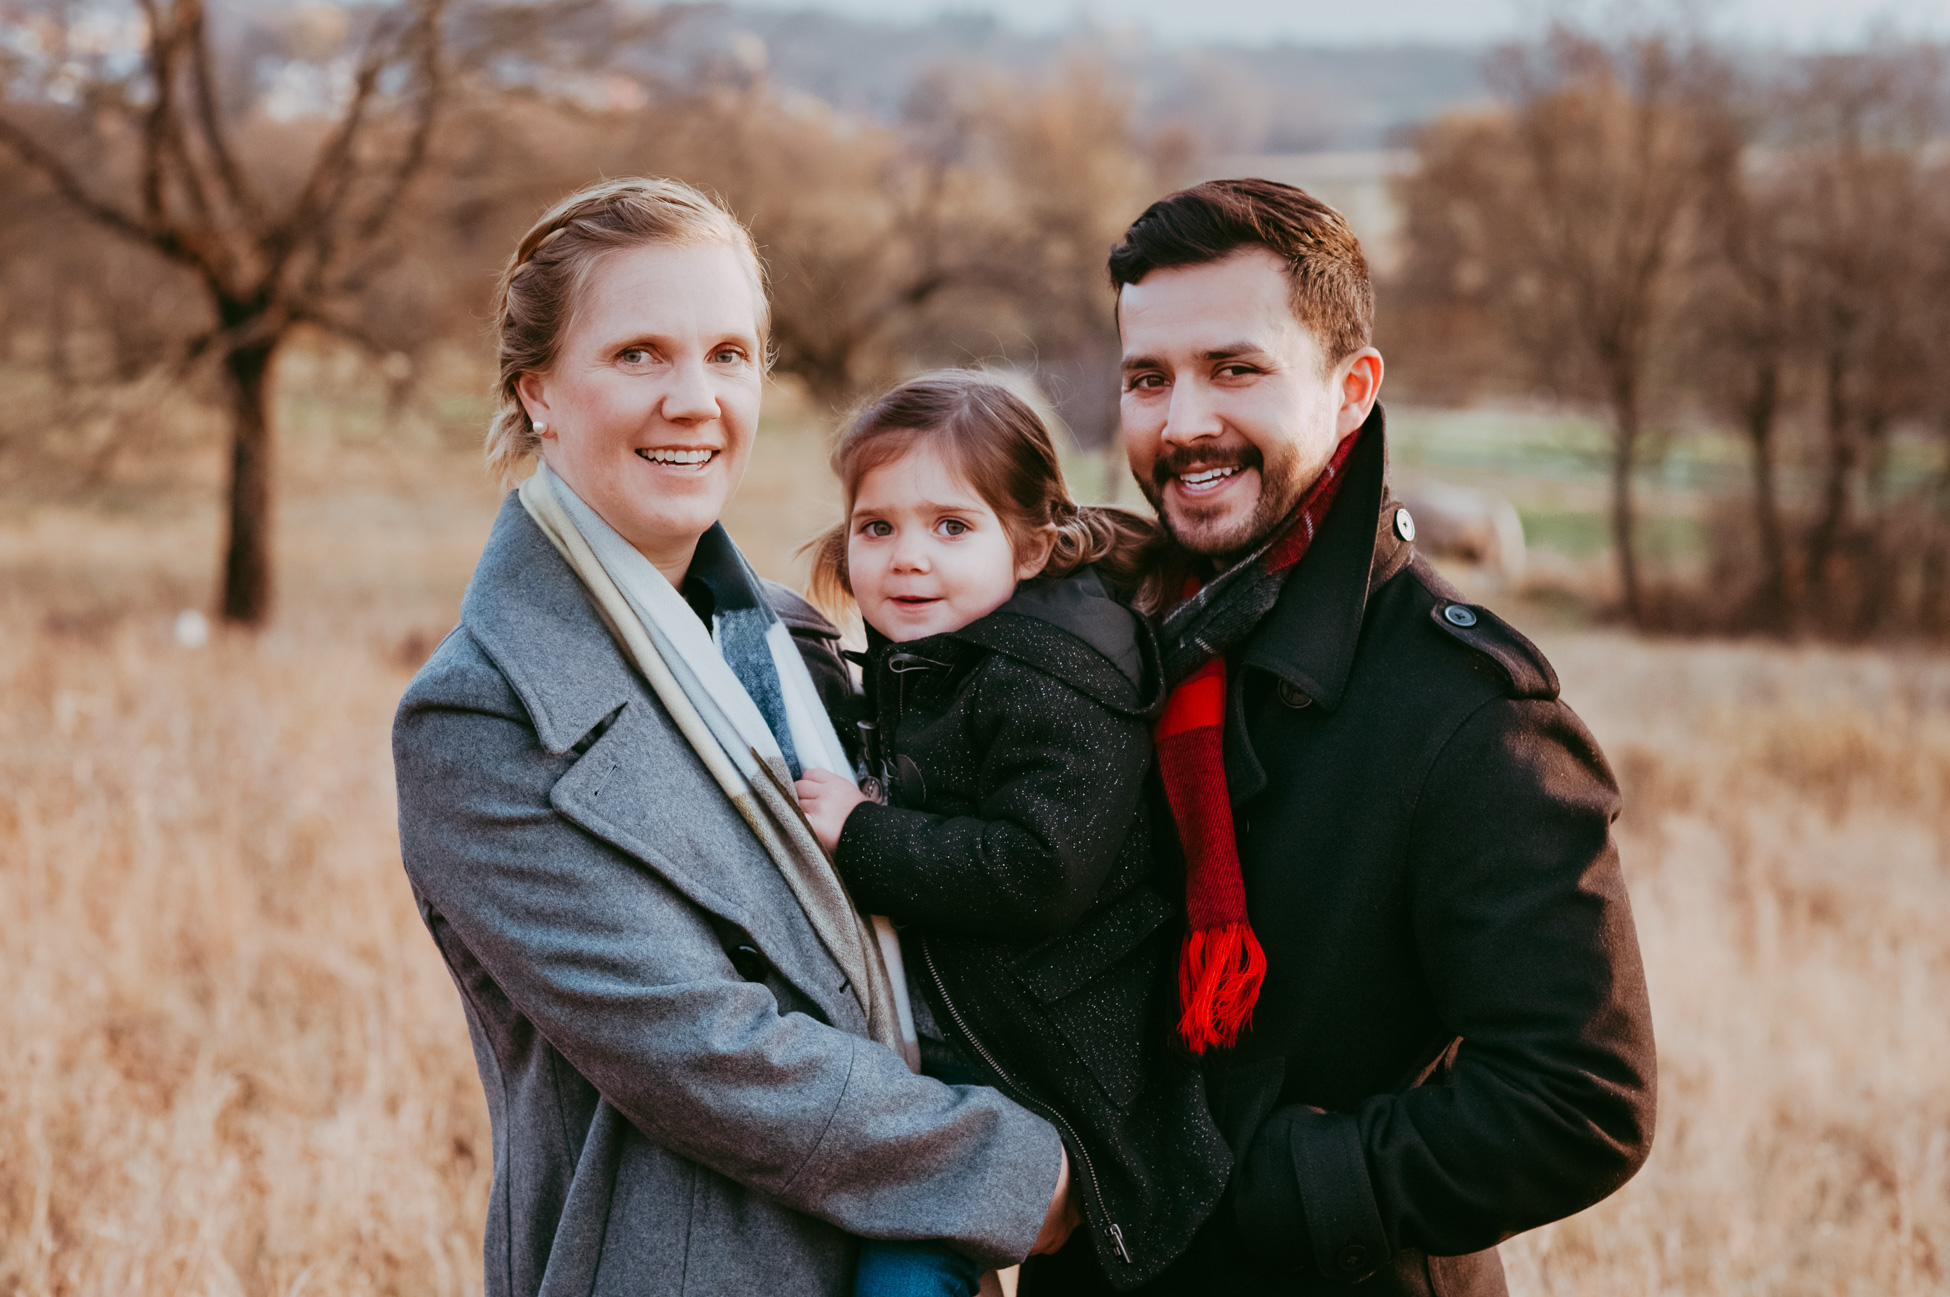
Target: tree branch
column 331, row 171
column 57, row 172
column 243, row 196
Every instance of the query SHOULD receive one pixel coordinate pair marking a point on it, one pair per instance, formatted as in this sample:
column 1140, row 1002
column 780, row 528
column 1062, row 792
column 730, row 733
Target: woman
column 687, row 1037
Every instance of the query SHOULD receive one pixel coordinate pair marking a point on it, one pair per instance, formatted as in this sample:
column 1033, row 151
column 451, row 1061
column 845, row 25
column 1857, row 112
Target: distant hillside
column 1277, row 100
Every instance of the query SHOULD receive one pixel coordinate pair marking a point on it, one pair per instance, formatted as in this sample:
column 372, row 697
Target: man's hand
column 827, row 800
column 1062, row 1217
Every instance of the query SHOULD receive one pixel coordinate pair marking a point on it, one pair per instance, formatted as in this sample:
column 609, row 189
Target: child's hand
column 827, row 800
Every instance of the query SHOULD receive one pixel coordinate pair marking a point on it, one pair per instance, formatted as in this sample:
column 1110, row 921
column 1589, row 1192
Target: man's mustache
column 1180, row 460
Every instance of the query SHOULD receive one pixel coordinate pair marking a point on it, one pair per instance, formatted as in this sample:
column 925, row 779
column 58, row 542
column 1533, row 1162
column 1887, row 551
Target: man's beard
column 1216, row 535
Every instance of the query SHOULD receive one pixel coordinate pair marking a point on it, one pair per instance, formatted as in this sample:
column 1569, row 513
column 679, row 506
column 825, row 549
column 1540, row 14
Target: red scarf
column 1221, row 966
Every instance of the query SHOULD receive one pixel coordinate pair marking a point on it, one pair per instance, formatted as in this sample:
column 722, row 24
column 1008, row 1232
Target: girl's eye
column 877, row 528
column 951, row 527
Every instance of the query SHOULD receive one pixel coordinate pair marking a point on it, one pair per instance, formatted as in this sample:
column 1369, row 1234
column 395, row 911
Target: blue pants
column 928, row 1269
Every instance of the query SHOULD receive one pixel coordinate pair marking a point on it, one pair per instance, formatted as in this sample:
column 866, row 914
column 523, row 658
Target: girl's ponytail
column 1123, row 545
column 829, row 589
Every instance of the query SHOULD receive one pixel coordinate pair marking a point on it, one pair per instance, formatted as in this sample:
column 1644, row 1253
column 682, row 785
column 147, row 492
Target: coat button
column 750, row 964
column 1291, row 695
column 1353, row 1258
column 1404, row 524
column 1459, row 614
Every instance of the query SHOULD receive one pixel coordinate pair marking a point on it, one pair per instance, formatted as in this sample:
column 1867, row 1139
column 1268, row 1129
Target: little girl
column 1010, row 702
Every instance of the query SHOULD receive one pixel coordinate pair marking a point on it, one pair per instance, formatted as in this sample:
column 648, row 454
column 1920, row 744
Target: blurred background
column 1664, row 295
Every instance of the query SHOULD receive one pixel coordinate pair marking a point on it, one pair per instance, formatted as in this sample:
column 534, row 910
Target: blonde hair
column 543, row 284
column 1003, row 450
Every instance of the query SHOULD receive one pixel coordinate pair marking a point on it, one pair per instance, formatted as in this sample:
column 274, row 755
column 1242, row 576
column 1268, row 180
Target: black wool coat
column 1453, row 1042
column 1018, row 853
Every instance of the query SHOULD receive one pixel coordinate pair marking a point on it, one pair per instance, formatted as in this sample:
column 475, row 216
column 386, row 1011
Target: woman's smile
column 674, row 457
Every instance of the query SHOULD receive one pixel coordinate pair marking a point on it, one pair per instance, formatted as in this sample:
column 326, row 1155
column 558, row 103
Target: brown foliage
column 1565, row 221
column 1768, row 249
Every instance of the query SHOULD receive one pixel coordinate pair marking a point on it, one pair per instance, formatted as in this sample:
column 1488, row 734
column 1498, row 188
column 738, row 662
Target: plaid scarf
column 1221, row 965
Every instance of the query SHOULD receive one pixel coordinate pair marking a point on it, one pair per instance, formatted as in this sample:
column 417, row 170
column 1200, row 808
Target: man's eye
column 951, row 527
column 1146, row 381
column 1237, row 371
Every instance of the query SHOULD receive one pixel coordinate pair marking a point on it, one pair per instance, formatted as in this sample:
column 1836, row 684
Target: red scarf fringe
column 1219, row 975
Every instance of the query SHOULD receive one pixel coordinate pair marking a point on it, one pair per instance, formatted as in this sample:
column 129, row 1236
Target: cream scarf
column 685, row 669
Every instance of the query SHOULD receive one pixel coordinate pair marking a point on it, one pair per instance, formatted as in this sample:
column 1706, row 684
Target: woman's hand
column 1062, row 1218
column 827, row 800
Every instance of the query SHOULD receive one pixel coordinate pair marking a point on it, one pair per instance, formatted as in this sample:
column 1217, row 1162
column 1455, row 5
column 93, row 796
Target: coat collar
column 529, row 612
column 1309, row 638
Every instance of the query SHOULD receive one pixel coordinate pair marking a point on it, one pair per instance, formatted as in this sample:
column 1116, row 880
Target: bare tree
column 1751, row 295
column 1573, row 208
column 266, row 262
column 1862, row 201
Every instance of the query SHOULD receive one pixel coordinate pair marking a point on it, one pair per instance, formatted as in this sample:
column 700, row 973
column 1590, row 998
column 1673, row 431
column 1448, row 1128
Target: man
column 1410, row 962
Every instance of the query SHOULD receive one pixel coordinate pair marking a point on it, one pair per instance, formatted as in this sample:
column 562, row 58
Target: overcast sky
column 1795, row 22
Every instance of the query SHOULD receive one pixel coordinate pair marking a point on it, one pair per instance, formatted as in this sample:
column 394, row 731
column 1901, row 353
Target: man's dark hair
column 1327, row 276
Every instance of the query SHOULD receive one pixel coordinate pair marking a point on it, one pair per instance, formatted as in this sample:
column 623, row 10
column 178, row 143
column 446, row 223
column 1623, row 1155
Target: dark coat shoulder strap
column 1522, row 663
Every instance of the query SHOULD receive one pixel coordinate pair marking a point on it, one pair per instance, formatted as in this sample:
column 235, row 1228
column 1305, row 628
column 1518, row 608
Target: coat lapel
column 637, row 786
column 1308, row 640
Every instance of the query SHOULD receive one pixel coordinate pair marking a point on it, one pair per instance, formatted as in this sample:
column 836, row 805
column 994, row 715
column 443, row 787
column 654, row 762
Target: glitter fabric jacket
column 1017, row 853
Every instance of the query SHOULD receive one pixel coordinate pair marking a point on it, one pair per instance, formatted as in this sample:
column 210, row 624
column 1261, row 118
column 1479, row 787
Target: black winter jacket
column 1453, row 1042
column 1018, row 851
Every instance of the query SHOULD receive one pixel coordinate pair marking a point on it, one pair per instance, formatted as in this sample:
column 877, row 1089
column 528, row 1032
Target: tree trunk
column 1834, row 504
column 247, row 553
column 1624, row 523
column 1776, row 601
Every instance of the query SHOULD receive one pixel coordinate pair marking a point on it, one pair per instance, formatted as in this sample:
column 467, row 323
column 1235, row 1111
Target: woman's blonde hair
column 540, row 290
column 1002, row 449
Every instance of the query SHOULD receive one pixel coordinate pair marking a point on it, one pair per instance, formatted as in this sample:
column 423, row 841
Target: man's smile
column 1206, row 480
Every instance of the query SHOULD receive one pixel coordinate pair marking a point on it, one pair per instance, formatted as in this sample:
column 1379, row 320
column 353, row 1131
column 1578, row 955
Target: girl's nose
column 910, row 555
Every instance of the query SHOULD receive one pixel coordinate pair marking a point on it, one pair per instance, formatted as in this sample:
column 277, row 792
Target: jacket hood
column 1071, row 628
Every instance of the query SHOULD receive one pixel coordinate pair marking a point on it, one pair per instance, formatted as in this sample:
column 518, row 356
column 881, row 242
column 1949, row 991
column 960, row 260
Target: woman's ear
column 534, row 399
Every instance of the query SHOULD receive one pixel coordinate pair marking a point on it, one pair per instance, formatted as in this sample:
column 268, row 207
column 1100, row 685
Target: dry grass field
column 234, row 1065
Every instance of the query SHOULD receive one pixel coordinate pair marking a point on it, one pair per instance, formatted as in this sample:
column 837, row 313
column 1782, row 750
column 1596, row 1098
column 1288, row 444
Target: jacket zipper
column 901, row 670
column 1022, row 1097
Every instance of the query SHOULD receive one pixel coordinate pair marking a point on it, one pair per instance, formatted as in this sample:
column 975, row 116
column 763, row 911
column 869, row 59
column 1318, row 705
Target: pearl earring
column 541, row 429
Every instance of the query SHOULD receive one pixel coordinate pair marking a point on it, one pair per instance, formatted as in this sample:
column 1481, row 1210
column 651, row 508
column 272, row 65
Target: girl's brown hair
column 1003, row 450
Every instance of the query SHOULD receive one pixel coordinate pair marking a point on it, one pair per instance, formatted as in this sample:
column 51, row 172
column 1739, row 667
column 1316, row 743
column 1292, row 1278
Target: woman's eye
column 634, row 355
column 951, row 527
column 728, row 356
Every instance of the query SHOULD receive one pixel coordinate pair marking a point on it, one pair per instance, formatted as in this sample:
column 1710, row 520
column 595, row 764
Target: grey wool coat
column 682, row 1093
